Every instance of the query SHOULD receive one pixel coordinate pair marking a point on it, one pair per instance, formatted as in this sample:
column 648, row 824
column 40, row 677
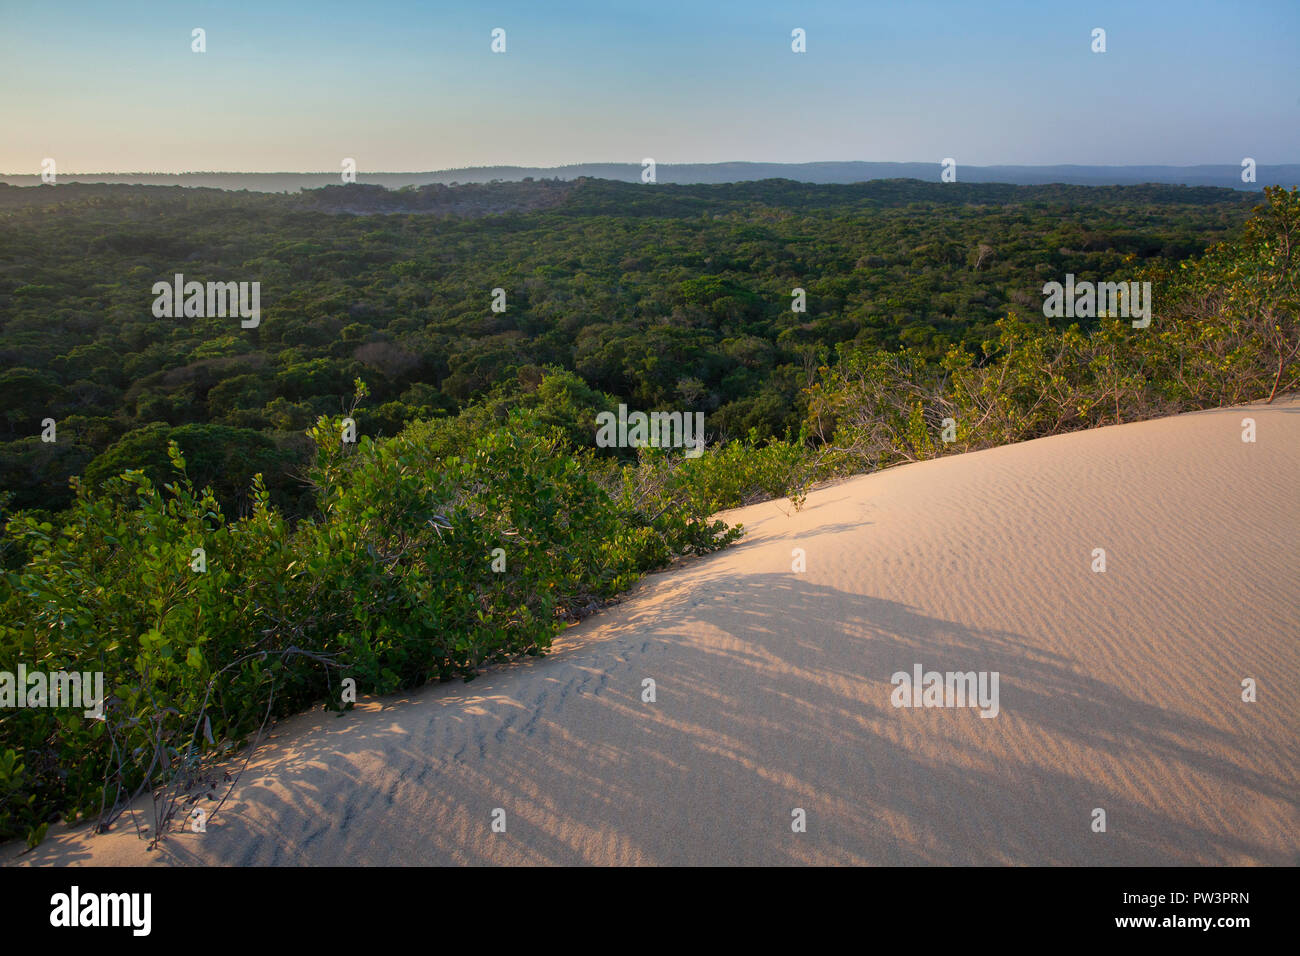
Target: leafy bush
column 395, row 581
column 1224, row 330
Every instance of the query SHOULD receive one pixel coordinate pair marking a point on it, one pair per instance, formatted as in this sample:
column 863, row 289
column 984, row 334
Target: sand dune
column 1118, row 690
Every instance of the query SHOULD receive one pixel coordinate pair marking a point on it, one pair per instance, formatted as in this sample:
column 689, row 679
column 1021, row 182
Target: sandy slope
column 1118, row 690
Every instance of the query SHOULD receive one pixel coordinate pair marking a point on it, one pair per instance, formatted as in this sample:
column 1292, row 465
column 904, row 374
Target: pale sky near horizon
column 401, row 86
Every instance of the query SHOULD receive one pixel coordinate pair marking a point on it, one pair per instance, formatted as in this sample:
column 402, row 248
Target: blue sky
column 405, row 86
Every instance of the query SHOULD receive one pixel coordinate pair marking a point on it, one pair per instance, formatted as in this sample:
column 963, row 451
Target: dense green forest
column 229, row 554
column 662, row 296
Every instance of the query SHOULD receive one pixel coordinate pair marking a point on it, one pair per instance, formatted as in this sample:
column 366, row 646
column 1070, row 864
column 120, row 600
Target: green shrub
column 395, row 581
column 1224, row 330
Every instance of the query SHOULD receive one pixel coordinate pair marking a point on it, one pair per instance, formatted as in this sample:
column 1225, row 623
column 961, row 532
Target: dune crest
column 1120, row 690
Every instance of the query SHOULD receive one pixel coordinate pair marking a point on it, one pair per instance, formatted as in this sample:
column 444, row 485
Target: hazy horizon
column 64, row 173
column 1226, row 175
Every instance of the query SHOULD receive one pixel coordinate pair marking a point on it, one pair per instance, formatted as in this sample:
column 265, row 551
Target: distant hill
column 692, row 173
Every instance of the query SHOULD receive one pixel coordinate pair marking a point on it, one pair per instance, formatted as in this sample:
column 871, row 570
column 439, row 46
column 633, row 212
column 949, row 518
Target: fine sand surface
column 1118, row 690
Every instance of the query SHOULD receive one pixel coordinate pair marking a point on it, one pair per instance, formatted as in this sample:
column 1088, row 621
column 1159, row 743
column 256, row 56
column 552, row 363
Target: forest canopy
column 661, row 296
